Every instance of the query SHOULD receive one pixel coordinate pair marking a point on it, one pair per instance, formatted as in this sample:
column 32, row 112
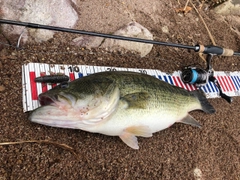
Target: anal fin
column 130, row 140
column 191, row 121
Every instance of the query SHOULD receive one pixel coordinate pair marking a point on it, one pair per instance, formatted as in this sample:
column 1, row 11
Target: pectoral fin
column 191, row 121
column 129, row 135
column 137, row 100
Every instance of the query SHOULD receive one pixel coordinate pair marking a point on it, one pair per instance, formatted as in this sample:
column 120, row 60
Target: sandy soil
column 179, row 152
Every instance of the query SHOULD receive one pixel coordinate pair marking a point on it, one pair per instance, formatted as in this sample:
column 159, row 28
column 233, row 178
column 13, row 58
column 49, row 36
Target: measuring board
column 229, row 81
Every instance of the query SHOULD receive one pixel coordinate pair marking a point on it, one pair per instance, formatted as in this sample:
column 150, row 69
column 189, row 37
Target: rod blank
column 198, row 48
column 61, row 29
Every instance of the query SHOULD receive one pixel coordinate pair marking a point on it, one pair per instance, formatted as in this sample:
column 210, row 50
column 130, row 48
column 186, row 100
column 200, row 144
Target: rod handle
column 215, row 50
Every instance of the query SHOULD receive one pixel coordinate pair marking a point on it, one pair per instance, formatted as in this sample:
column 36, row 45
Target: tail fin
column 206, row 106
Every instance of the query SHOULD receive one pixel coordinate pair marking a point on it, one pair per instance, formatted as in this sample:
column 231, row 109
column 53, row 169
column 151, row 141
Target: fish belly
column 155, row 120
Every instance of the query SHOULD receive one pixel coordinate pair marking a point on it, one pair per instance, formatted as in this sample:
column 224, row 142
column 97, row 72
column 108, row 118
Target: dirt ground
column 179, row 152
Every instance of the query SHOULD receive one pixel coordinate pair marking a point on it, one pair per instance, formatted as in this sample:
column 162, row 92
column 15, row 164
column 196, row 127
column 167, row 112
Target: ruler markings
column 43, row 73
column 238, row 80
column 231, row 83
column 228, row 84
column 37, row 74
column 221, row 83
column 33, row 86
column 27, row 87
column 225, row 84
column 235, row 81
column 180, row 82
column 24, row 88
column 208, row 87
column 80, row 74
column 31, row 89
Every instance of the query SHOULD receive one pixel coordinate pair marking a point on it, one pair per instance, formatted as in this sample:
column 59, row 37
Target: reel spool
column 193, row 75
column 200, row 77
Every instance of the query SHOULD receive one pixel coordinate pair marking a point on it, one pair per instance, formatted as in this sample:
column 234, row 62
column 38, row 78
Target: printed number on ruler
column 143, row 71
column 75, row 72
column 74, row 69
column 111, row 69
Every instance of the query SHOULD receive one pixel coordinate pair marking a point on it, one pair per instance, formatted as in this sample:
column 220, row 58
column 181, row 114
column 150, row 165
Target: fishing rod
column 215, row 50
column 192, row 75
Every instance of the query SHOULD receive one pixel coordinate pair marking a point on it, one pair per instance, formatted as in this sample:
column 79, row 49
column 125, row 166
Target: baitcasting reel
column 200, row 77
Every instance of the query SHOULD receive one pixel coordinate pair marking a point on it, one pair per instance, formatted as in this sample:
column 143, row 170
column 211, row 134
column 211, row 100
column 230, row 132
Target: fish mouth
column 45, row 100
column 50, row 115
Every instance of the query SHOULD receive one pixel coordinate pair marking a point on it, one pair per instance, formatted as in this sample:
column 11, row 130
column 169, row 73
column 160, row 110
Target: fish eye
column 64, row 84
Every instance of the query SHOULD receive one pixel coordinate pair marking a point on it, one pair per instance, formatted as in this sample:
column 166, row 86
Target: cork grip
column 201, row 48
column 215, row 50
column 227, row 52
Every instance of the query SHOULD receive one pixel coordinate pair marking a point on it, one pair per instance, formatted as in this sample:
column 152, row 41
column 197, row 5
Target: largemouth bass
column 115, row 103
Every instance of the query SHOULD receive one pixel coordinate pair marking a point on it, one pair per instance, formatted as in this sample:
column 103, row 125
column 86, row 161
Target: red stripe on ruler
column 181, row 84
column 225, row 83
column 175, row 81
column 221, row 83
column 71, row 76
column 188, row 87
column 44, row 85
column 230, row 81
column 54, row 85
column 193, row 87
column 33, row 85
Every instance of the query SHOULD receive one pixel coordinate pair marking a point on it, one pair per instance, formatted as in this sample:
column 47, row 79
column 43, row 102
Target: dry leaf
column 183, row 10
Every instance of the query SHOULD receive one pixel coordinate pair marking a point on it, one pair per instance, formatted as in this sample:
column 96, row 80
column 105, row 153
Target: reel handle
column 221, row 94
column 227, row 98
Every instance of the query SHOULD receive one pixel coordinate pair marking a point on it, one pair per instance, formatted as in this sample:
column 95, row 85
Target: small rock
column 53, row 13
column 88, row 41
column 132, row 29
column 6, row 82
column 2, row 88
column 197, row 174
column 229, row 8
column 165, row 29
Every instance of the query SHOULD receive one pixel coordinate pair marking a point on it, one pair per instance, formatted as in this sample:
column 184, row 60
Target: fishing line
column 20, row 37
